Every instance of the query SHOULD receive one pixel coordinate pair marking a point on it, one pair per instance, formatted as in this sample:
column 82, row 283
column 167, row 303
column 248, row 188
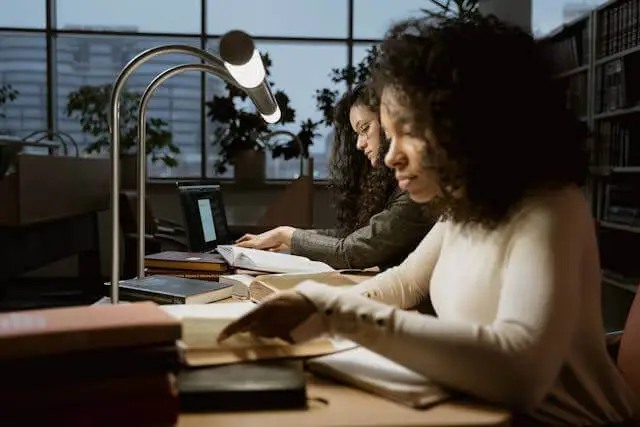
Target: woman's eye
column 364, row 130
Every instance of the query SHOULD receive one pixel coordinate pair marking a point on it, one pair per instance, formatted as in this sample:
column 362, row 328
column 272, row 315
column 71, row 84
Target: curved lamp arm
column 48, row 135
column 297, row 140
column 244, row 66
column 142, row 141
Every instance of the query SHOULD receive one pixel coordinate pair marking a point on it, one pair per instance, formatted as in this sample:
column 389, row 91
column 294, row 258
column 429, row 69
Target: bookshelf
column 598, row 67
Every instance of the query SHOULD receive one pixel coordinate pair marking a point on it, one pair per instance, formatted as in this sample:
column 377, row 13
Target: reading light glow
column 250, row 74
column 273, row 117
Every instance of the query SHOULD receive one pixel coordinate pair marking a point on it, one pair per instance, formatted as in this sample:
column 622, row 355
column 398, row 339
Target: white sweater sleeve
column 513, row 360
column 407, row 284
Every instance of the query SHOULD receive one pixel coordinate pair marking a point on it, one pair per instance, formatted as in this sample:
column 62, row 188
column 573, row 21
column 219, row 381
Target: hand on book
column 275, row 317
column 278, row 239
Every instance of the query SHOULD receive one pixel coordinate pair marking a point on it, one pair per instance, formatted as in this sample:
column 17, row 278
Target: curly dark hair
column 359, row 190
column 485, row 90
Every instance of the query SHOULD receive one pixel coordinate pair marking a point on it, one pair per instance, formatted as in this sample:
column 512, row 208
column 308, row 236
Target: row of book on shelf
column 156, row 354
column 622, row 204
column 618, row 143
column 619, row 26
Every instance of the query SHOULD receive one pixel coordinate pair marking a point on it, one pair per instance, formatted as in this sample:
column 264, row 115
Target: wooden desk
column 349, row 407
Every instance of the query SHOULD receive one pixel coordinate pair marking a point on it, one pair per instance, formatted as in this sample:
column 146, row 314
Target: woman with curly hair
column 478, row 125
column 378, row 225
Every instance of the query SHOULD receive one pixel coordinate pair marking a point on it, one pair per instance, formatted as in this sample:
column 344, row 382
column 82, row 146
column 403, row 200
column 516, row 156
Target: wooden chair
column 160, row 235
column 624, row 348
column 294, row 206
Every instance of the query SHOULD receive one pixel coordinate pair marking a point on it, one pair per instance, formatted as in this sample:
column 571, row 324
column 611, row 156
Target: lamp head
column 243, row 61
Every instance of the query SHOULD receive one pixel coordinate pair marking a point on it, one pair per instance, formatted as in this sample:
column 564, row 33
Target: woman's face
column 406, row 153
column 366, row 125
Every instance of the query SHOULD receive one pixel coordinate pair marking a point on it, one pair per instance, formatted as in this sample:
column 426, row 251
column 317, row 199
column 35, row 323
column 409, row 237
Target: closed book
column 175, row 260
column 82, row 366
column 261, row 385
column 139, row 402
column 378, row 375
column 32, row 333
column 174, row 290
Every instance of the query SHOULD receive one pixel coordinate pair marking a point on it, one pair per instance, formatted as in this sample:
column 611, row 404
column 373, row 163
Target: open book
column 272, row 262
column 262, row 286
column 202, row 323
column 376, row 374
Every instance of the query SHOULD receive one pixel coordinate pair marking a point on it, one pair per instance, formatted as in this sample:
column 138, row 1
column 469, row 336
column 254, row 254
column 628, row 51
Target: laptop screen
column 204, row 216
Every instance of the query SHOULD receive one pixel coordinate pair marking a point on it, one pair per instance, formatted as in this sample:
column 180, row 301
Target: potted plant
column 90, row 105
column 7, row 94
column 241, row 135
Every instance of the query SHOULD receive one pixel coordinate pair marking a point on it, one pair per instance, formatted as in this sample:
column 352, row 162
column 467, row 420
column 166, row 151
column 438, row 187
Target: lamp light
column 239, row 53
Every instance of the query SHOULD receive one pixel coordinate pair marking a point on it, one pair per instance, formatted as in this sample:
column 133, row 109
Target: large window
column 96, row 60
column 23, row 68
column 150, row 16
column 23, row 14
column 279, row 18
column 89, row 42
column 372, row 18
column 547, row 15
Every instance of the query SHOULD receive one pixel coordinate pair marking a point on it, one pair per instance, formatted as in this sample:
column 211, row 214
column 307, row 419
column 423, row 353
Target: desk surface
column 348, row 407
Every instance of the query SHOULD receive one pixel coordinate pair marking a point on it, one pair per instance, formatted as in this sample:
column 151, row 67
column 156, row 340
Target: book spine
column 140, row 295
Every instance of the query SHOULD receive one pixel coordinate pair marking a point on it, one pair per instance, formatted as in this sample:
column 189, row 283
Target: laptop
column 205, row 218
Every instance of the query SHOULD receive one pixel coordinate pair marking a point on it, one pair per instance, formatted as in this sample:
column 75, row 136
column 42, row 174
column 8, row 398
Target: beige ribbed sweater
column 519, row 316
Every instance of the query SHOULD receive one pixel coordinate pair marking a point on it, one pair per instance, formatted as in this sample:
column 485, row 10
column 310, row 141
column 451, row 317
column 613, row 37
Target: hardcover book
column 174, row 290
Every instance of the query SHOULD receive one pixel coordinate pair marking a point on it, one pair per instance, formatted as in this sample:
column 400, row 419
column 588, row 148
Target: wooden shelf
column 621, row 227
column 572, row 72
column 617, row 113
column 610, row 281
column 48, row 188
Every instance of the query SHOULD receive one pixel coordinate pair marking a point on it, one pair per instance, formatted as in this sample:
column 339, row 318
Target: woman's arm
column 387, row 239
column 513, row 360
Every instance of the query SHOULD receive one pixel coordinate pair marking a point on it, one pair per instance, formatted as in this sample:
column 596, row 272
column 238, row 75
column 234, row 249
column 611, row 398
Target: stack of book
column 190, row 265
column 102, row 365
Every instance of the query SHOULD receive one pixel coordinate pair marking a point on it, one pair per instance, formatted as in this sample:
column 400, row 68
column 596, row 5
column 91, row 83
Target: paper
column 228, row 311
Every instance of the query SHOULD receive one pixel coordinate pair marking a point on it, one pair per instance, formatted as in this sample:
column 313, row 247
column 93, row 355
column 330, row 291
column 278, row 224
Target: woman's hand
column 278, row 239
column 275, row 317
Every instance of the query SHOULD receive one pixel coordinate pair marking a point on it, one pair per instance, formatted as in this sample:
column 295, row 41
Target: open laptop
column 204, row 217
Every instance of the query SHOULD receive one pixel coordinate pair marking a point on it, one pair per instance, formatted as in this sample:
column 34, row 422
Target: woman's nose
column 361, row 142
column 395, row 157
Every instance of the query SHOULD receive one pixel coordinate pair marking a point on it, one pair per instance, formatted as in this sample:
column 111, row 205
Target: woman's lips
column 404, row 181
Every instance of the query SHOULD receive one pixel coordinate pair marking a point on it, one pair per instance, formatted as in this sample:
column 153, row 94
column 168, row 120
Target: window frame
column 51, row 33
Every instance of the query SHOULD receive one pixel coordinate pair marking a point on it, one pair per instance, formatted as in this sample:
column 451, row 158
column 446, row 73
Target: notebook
column 272, row 262
column 378, row 375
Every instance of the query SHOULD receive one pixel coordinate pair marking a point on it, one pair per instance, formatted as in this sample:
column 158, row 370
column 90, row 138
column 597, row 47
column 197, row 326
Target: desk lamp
column 239, row 64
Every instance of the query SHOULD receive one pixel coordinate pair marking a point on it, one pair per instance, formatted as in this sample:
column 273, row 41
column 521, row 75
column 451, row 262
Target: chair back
column 629, row 352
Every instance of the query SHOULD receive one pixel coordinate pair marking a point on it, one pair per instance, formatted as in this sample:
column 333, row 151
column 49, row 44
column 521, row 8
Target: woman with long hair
column 479, row 128
column 377, row 224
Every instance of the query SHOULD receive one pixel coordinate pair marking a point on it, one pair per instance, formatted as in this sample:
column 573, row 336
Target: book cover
column 174, row 290
column 175, row 260
column 243, row 387
column 32, row 333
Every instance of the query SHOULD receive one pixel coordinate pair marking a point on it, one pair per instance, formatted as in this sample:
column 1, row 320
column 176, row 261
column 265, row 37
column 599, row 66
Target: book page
column 270, row 261
column 377, row 374
column 202, row 323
